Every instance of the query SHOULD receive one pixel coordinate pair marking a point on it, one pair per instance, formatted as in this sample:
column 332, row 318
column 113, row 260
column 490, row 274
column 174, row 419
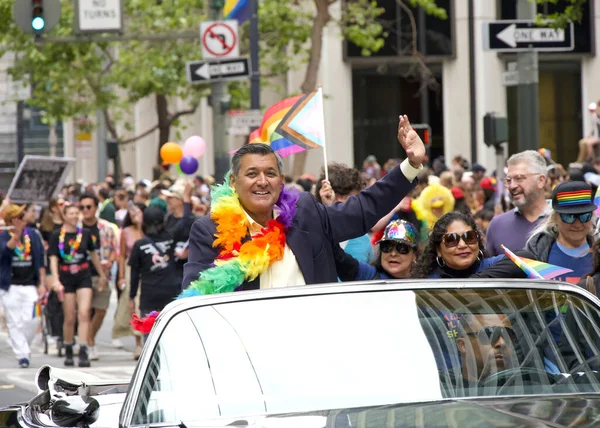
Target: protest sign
column 38, row 179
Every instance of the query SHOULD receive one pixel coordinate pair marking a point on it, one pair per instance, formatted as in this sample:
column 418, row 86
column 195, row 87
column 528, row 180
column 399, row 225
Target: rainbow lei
column 236, row 262
column 239, row 262
column 74, row 247
column 23, row 251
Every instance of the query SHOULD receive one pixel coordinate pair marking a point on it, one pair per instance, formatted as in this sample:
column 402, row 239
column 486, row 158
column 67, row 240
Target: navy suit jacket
column 315, row 233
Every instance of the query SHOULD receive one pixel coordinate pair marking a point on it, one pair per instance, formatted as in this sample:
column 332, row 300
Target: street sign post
column 218, row 70
column 525, row 35
column 219, row 39
column 98, row 16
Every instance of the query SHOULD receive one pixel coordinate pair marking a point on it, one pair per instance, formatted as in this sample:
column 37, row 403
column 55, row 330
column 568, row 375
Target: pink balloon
column 194, row 146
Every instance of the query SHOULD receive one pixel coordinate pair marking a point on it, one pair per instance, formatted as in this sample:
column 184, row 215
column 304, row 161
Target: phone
column 131, row 205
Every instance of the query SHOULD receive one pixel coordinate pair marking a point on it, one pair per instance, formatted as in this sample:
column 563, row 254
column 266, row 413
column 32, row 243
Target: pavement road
column 17, row 385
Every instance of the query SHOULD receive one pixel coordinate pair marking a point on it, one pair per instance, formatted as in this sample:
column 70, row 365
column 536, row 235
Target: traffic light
column 38, row 22
column 36, row 16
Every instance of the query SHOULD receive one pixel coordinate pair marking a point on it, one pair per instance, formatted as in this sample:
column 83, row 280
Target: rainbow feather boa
column 237, row 262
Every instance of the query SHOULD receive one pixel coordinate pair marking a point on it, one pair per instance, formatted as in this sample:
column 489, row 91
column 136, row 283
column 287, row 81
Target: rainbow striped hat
column 573, row 197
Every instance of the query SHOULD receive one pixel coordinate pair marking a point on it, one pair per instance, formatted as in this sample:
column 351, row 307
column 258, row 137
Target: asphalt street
column 17, row 384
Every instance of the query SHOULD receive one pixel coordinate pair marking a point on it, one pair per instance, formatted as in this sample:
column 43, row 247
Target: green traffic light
column 38, row 23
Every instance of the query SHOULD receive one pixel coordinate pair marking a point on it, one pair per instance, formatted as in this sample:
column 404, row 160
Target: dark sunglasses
column 453, row 239
column 490, row 335
column 388, row 246
column 570, row 218
column 86, row 207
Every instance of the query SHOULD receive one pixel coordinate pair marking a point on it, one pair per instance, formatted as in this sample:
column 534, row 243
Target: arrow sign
column 515, row 36
column 218, row 70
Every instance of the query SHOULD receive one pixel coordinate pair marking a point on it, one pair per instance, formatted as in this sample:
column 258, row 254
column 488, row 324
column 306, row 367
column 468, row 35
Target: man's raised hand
column 411, row 142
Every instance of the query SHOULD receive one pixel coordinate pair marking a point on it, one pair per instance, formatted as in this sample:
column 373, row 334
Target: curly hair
column 427, row 264
column 344, row 180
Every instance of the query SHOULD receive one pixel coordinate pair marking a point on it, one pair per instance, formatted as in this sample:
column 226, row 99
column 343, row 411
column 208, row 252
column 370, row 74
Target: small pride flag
column 37, row 309
column 597, row 201
column 266, row 133
column 534, row 268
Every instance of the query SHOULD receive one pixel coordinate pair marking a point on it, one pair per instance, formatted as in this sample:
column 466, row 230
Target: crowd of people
column 152, row 241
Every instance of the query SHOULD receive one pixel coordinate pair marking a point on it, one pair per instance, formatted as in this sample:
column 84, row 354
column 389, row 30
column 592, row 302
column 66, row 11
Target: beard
column 527, row 200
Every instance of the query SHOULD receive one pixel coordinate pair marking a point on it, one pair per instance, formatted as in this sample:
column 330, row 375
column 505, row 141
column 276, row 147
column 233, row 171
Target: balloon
column 171, row 153
column 194, row 146
column 188, row 165
column 178, row 169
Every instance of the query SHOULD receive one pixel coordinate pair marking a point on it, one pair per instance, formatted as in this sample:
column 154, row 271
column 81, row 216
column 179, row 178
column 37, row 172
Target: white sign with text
column 99, row 16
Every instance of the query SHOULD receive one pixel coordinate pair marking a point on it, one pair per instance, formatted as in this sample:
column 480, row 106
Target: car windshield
column 329, row 351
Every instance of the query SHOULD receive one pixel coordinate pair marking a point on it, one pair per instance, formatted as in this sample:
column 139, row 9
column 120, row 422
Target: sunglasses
column 570, row 218
column 470, row 237
column 388, row 246
column 86, row 207
column 490, row 335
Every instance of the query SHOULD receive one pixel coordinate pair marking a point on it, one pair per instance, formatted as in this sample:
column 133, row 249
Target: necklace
column 74, row 246
column 23, row 250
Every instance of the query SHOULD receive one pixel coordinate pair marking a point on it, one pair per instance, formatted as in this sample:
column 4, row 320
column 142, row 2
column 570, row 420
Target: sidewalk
column 113, row 363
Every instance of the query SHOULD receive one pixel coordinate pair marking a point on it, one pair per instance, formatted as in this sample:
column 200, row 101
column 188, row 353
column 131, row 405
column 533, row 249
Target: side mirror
column 75, row 411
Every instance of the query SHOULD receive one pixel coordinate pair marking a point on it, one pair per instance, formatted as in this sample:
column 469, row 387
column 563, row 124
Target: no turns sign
column 219, row 39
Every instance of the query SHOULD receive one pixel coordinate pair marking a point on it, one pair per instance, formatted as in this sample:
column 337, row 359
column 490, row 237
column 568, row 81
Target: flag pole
column 324, row 139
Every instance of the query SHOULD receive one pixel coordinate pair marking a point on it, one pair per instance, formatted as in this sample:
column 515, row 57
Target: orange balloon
column 171, row 153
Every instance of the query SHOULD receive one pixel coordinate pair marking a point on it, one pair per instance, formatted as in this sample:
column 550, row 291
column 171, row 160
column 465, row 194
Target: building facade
column 365, row 95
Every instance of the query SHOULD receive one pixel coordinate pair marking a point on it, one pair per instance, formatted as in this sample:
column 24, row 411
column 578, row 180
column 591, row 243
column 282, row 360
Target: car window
column 307, row 353
column 177, row 384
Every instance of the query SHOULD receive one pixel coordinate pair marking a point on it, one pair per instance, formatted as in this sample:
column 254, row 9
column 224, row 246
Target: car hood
column 530, row 411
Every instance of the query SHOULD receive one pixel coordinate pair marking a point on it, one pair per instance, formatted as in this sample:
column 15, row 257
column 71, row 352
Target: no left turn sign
column 219, row 39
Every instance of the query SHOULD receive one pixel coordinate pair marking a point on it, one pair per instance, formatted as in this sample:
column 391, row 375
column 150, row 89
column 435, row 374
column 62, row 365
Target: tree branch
column 173, row 117
column 419, row 68
column 110, row 125
column 145, row 134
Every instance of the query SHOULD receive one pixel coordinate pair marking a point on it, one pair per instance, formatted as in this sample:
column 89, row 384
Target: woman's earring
column 442, row 263
column 480, row 256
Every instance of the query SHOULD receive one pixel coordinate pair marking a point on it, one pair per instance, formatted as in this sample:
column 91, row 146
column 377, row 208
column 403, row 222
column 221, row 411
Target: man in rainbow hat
column 22, row 276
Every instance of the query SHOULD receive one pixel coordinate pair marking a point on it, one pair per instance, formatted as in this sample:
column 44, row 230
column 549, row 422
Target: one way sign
column 519, row 35
column 219, row 69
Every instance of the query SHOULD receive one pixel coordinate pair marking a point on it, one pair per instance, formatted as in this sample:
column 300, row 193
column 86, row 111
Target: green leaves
column 573, row 12
column 360, row 26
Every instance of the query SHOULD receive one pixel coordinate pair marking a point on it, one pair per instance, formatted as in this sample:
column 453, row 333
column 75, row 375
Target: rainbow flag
column 37, row 309
column 266, row 131
column 293, row 125
column 597, row 201
column 534, row 268
column 304, row 125
column 546, row 153
column 237, row 9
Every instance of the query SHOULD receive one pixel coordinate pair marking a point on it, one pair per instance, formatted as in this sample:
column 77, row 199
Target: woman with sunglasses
column 397, row 254
column 455, row 250
column 565, row 236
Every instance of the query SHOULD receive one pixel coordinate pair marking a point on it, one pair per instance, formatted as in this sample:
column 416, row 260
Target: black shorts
column 74, row 283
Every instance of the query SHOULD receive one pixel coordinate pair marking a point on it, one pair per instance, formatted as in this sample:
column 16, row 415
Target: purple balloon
column 188, row 165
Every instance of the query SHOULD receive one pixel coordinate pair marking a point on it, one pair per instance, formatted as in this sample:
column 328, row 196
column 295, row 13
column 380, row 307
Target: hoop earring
column 442, row 263
column 480, row 256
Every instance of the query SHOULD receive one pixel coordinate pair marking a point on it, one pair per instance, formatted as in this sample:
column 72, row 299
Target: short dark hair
column 254, row 149
column 88, row 195
column 344, row 180
column 485, row 215
column 104, row 193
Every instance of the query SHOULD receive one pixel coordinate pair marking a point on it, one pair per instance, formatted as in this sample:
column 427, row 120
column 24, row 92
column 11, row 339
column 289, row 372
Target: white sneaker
column 93, row 354
column 117, row 343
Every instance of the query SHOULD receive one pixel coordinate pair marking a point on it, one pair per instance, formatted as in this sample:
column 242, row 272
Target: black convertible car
column 387, row 353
